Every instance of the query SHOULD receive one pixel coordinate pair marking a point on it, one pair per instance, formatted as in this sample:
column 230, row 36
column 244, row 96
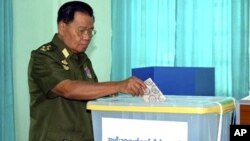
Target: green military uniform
column 55, row 118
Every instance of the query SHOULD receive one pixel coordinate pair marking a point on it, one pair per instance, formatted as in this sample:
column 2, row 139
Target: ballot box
column 178, row 118
column 197, row 81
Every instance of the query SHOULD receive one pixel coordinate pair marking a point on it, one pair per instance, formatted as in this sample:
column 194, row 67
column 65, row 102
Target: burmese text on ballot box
column 178, row 118
column 199, row 81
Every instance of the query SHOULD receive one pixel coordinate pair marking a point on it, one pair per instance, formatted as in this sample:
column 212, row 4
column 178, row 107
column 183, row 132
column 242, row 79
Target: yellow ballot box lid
column 172, row 104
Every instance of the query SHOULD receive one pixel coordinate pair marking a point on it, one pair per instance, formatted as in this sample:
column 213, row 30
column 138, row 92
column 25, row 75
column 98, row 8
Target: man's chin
column 82, row 50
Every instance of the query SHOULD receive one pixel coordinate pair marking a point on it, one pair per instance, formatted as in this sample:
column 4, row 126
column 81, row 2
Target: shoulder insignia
column 46, row 48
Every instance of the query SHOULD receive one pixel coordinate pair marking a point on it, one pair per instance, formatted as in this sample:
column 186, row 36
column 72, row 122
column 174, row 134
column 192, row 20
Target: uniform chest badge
column 65, row 64
column 88, row 72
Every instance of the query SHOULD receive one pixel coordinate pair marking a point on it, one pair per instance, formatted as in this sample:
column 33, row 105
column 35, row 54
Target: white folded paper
column 246, row 98
column 152, row 93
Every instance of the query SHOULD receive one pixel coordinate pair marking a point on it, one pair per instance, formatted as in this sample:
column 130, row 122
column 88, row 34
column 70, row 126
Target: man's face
column 77, row 34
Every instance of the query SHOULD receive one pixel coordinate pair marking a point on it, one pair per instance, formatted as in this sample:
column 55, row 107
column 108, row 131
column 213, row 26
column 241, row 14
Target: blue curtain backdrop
column 198, row 33
column 6, row 84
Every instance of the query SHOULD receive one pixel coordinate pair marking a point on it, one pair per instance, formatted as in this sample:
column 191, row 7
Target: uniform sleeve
column 47, row 71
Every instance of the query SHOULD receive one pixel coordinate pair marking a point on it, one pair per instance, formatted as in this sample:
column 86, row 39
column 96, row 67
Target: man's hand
column 133, row 86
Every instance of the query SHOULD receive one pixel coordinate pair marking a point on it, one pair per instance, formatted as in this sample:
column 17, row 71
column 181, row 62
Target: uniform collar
column 65, row 50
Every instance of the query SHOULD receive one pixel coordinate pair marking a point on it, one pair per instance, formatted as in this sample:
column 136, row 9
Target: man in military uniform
column 62, row 80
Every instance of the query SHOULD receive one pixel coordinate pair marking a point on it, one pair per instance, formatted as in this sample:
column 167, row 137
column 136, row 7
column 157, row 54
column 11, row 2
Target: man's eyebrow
column 85, row 27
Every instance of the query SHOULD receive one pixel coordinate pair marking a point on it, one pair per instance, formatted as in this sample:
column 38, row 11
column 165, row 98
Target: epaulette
column 47, row 47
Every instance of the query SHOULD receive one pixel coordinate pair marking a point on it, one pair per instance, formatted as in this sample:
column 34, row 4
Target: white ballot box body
column 179, row 118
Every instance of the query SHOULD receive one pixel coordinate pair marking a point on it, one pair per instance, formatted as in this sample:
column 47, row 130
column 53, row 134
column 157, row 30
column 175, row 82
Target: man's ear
column 61, row 27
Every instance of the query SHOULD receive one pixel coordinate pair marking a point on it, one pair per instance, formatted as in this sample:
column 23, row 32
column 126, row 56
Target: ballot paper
column 152, row 93
column 246, row 98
